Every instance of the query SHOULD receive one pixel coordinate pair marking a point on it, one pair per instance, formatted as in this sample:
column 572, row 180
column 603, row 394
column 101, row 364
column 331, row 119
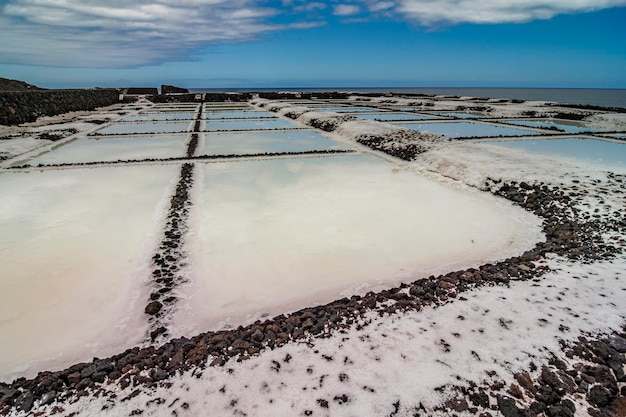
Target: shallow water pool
column 348, row 109
column 144, row 127
column 239, row 115
column 218, row 125
column 159, row 116
column 277, row 235
column 598, row 153
column 246, row 143
column 113, row 148
column 75, row 249
column 567, row 127
column 393, row 116
column 467, row 129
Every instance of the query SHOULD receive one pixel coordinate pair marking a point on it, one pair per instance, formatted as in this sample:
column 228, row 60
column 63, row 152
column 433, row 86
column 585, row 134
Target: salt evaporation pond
column 563, row 126
column 277, row 235
column 246, row 143
column 218, row 125
column 239, row 115
column 348, row 109
column 114, row 148
column 128, row 128
column 467, row 129
column 75, row 249
column 162, row 116
column 599, row 153
column 266, row 236
column 392, row 116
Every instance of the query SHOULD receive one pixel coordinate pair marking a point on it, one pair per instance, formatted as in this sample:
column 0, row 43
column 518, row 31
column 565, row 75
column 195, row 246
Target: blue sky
column 295, row 43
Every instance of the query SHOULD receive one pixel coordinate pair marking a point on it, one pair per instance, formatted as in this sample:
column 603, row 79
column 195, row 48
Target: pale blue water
column 144, row 127
column 600, row 153
column 466, row 129
column 239, row 115
column 111, row 148
column 158, row 116
column 247, row 143
column 565, row 127
column 217, row 125
column 348, row 109
column 393, row 116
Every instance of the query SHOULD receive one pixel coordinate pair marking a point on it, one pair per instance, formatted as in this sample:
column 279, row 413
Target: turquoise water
column 466, row 129
column 595, row 152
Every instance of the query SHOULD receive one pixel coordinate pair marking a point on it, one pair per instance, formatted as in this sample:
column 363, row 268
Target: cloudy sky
column 296, row 43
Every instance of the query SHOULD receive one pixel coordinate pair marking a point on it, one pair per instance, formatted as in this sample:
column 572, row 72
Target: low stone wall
column 27, row 106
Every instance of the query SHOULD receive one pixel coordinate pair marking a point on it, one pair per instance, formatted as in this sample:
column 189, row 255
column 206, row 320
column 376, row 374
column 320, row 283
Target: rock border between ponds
column 168, row 261
column 568, row 233
column 184, row 158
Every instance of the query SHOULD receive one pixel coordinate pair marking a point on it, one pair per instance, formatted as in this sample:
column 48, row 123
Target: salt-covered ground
column 400, row 359
column 406, row 362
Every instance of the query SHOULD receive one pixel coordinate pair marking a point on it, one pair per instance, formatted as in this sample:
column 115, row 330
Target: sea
column 579, row 96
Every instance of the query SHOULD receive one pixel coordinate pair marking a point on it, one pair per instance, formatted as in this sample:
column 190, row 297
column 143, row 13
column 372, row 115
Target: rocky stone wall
column 170, row 89
column 27, row 106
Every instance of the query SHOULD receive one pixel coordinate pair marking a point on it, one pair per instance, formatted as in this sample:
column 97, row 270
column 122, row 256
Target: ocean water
column 583, row 96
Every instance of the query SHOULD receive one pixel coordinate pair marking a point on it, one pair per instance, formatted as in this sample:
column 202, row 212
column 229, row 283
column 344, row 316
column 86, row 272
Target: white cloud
column 124, row 33
column 430, row 12
column 377, row 6
column 119, row 33
column 346, row 9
